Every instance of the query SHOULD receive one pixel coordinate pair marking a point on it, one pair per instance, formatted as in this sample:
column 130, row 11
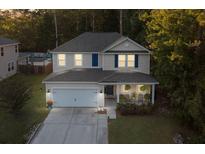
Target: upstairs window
column 78, row 59
column 130, row 60
column 9, row 67
column 2, row 51
column 61, row 59
column 16, row 48
column 121, row 61
column 12, row 66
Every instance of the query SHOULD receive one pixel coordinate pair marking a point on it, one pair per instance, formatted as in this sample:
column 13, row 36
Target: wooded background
column 175, row 37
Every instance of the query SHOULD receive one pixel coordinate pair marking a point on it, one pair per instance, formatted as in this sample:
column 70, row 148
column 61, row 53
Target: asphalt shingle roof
column 129, row 77
column 79, row 75
column 100, row 76
column 89, row 42
column 6, row 41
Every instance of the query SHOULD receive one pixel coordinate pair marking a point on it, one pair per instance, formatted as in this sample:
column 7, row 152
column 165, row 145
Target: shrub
column 134, row 109
column 14, row 94
column 124, row 98
column 134, row 96
column 147, row 97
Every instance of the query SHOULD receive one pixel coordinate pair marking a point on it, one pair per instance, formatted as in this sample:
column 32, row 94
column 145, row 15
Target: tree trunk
column 86, row 22
column 121, row 22
column 77, row 25
column 93, row 22
column 56, row 28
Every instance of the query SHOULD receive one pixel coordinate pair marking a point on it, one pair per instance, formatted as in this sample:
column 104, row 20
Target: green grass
column 16, row 128
column 144, row 130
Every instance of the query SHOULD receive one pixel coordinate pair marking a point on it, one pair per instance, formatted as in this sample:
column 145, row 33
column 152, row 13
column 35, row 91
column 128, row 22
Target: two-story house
column 8, row 57
column 95, row 66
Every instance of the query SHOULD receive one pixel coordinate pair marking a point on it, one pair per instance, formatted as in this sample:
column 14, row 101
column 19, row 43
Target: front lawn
column 143, row 129
column 15, row 128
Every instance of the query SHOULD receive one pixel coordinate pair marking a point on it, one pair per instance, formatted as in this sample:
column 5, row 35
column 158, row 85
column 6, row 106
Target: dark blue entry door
column 109, row 90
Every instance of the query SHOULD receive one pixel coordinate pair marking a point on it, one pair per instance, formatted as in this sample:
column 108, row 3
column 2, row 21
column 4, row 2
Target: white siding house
column 8, row 57
column 95, row 66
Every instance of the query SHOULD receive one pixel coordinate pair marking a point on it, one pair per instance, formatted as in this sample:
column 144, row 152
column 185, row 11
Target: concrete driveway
column 73, row 126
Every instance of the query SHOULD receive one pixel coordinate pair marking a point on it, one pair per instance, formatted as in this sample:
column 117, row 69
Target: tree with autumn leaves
column 177, row 39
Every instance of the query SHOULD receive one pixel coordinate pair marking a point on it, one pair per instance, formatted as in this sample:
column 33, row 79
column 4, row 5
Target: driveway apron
column 73, row 126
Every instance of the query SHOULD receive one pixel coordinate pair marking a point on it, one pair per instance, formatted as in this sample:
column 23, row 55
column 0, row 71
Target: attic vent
column 126, row 44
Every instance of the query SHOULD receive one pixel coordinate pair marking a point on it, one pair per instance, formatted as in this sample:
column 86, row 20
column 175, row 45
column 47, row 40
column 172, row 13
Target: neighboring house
column 35, row 62
column 95, row 67
column 8, row 57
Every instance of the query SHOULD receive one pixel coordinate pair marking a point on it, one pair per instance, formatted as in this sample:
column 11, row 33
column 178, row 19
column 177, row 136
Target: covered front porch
column 131, row 93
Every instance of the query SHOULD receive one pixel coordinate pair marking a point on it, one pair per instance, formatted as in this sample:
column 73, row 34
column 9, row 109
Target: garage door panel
column 75, row 97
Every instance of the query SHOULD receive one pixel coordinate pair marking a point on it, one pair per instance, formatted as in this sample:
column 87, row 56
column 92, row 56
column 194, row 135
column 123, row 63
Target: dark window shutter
column 94, row 59
column 116, row 61
column 136, row 60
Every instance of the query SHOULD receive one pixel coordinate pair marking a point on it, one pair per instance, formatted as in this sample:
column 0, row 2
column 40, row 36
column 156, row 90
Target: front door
column 109, row 90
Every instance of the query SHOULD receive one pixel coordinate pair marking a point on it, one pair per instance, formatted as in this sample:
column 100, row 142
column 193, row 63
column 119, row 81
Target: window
column 16, row 48
column 130, row 60
column 9, row 67
column 121, row 60
column 12, row 66
column 78, row 59
column 61, row 59
column 2, row 51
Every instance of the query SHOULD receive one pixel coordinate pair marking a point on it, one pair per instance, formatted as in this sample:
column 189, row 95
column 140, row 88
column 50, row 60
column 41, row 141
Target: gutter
column 120, row 83
column 5, row 45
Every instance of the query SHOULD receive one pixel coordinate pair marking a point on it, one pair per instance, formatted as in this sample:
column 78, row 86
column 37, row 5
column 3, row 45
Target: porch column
column 118, row 93
column 153, row 93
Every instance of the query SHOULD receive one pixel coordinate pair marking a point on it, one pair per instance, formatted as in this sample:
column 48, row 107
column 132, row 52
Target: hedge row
column 134, row 109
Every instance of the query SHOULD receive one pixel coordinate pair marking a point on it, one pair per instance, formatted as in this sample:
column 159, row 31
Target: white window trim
column 80, row 60
column 61, row 59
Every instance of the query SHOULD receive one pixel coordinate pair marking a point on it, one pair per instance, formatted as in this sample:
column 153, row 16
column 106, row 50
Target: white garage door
column 75, row 97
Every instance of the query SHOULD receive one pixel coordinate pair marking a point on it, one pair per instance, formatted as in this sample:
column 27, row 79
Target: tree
column 14, row 94
column 176, row 38
column 121, row 18
column 56, row 27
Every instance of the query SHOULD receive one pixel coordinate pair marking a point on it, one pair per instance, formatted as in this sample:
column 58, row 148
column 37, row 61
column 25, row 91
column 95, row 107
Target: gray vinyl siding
column 70, row 63
column 10, row 56
column 105, row 61
column 143, row 63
